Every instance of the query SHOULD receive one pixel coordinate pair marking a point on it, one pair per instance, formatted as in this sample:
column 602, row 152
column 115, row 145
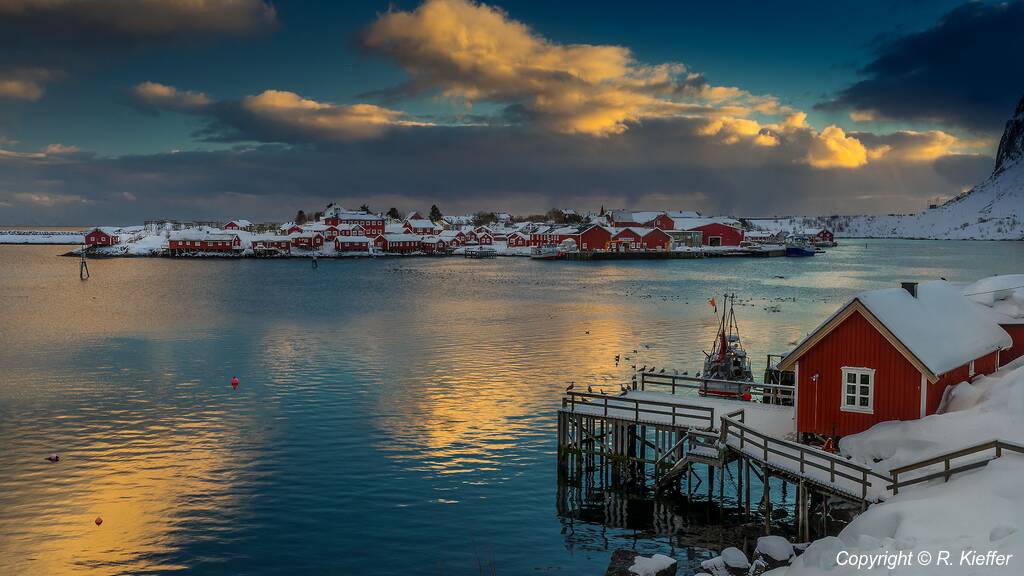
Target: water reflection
column 392, row 415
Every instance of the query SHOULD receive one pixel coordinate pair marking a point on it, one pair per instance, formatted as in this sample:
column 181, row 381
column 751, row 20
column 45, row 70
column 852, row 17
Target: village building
column 433, row 245
column 268, row 245
column 350, row 230
column 238, row 225
column 372, row 224
column 890, row 354
column 484, row 238
column 453, row 237
column 419, row 226
column 517, row 240
column 398, row 243
column 102, row 236
column 307, row 240
column 192, row 241
column 716, row 231
column 346, row 243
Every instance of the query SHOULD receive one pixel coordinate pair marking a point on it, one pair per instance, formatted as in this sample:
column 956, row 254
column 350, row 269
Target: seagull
column 602, row 391
column 675, row 372
column 662, row 371
column 570, row 387
column 623, row 389
column 643, row 368
column 686, row 373
column 53, row 458
column 590, row 389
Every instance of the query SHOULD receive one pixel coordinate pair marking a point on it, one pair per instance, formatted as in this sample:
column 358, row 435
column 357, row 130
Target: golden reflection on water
column 138, row 482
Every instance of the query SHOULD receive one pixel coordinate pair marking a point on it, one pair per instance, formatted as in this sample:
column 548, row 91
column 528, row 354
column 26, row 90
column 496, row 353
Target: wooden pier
column 663, row 440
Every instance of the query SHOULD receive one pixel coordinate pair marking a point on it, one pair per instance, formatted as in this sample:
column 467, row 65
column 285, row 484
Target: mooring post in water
column 767, row 500
column 83, row 267
column 803, row 526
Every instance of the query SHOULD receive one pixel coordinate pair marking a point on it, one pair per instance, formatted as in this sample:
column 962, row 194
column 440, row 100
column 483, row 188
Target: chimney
column 910, row 287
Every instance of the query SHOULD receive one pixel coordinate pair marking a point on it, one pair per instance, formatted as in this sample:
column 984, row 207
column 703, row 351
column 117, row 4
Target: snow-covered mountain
column 992, row 210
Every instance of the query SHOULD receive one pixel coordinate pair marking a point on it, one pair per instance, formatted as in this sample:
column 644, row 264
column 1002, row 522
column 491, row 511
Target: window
column 858, row 390
column 970, row 369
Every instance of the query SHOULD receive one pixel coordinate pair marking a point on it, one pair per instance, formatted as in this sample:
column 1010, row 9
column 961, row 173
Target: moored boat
column 727, row 367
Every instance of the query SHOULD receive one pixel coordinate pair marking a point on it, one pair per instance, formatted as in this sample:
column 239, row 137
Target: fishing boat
column 799, row 248
column 544, row 253
column 727, row 367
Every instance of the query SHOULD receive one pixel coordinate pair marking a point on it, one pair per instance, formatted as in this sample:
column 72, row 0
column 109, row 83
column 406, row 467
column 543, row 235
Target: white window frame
column 843, row 406
column 970, row 370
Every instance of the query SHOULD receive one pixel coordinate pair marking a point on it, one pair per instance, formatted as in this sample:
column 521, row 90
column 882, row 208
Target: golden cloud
column 290, row 112
column 832, row 148
column 168, row 97
column 473, row 52
column 913, row 146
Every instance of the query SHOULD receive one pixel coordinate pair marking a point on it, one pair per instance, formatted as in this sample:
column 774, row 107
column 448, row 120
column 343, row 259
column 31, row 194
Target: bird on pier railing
column 623, row 389
column 590, row 389
column 687, row 374
column 570, row 386
column 651, row 369
column 662, row 371
column 675, row 372
column 643, row 368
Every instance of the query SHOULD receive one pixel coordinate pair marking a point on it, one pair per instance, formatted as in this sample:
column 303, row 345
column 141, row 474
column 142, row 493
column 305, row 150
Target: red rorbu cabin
column 890, row 355
column 102, row 237
column 658, row 240
column 271, row 245
column 518, row 240
column 352, row 244
column 192, row 241
column 307, row 240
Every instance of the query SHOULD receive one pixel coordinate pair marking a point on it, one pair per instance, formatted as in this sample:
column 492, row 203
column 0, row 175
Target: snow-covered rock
column 775, row 547
column 732, row 562
column 656, row 565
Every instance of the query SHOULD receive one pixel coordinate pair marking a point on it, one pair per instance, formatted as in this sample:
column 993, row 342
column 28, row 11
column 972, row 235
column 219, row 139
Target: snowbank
column 980, row 511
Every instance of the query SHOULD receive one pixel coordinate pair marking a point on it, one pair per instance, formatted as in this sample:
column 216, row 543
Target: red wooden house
column 484, row 238
column 307, row 240
column 1002, row 299
column 890, row 355
column 192, row 241
column 661, row 222
column 819, row 235
column 719, row 234
column 433, row 245
column 371, row 223
column 292, row 229
column 419, row 226
column 453, row 237
column 352, row 244
column 627, row 240
column 397, row 243
column 657, row 239
column 238, row 225
column 518, row 240
column 263, row 245
column 102, row 237
column 350, row 230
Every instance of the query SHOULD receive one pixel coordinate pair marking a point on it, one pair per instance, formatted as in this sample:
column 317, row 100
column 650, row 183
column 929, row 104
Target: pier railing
column 640, row 410
column 806, row 461
column 767, row 393
column 990, row 450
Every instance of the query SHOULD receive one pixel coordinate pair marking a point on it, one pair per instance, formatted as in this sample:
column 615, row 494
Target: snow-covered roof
column 400, row 237
column 269, row 238
column 691, row 223
column 304, row 234
column 108, row 230
column 1003, row 296
column 196, row 235
column 347, row 226
column 939, row 327
column 394, row 229
column 359, row 239
column 316, row 227
column 358, row 216
column 419, row 223
column 241, row 223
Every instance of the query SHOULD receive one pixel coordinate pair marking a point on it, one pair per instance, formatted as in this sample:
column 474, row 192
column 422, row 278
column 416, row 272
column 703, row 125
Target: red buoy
column 234, row 382
column 99, row 520
column 747, row 396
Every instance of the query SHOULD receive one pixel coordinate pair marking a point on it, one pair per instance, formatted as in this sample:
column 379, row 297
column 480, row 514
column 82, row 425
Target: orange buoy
column 234, row 382
column 99, row 520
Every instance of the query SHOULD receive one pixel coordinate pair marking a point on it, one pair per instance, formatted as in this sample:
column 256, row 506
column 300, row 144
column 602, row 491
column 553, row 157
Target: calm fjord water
column 395, row 416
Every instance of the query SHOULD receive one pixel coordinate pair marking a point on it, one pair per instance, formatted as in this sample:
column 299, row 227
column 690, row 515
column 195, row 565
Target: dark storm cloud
column 966, row 71
column 658, row 164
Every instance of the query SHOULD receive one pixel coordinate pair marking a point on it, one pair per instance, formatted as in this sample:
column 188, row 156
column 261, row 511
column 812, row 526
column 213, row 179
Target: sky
column 118, row 111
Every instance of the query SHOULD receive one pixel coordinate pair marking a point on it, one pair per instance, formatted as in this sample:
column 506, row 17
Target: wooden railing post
column 801, row 460
column 895, row 483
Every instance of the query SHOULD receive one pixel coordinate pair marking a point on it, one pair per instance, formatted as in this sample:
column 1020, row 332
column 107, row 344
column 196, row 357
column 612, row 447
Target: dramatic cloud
column 272, row 116
column 138, row 18
column 911, row 146
column 25, row 83
column 660, row 163
column 965, row 71
column 475, row 53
